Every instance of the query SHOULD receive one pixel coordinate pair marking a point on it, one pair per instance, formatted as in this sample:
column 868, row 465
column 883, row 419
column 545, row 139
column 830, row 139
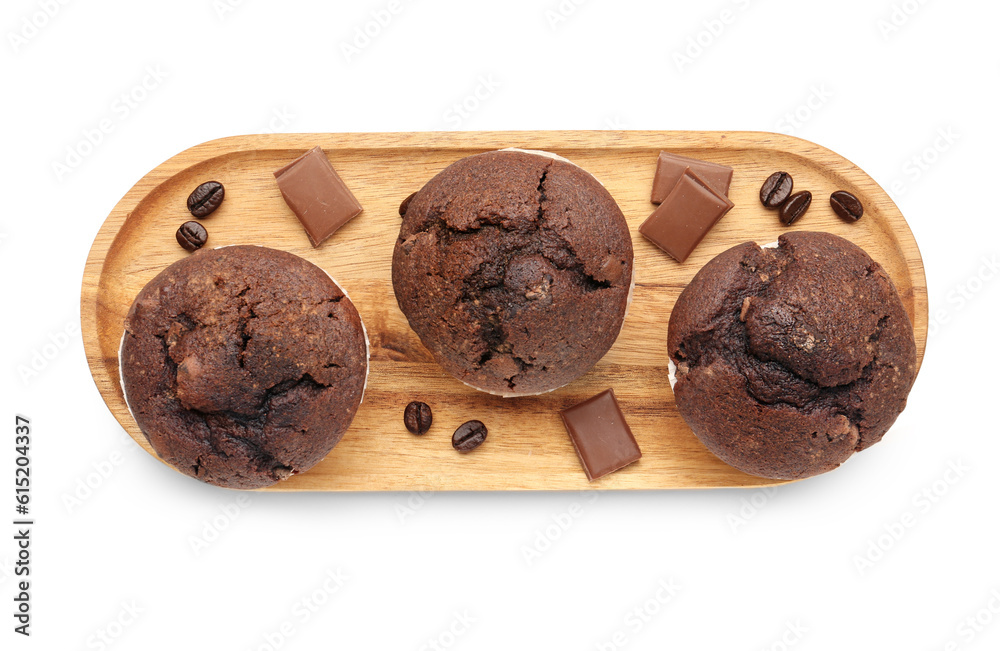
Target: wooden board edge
column 473, row 140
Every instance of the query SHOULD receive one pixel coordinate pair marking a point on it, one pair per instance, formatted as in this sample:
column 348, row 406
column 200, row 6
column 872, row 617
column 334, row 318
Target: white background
column 755, row 570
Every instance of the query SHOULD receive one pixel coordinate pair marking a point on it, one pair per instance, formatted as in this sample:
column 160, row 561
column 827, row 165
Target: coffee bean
column 417, row 417
column 776, row 189
column 192, row 236
column 406, row 204
column 795, row 207
column 206, row 198
column 469, row 436
column 847, row 206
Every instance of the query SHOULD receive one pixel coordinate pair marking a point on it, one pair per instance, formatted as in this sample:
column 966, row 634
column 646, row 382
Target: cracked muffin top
column 791, row 359
column 515, row 270
column 243, row 365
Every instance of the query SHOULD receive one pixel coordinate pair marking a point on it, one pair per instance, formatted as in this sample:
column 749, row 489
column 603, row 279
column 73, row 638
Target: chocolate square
column 317, row 195
column 602, row 438
column 670, row 168
column 686, row 215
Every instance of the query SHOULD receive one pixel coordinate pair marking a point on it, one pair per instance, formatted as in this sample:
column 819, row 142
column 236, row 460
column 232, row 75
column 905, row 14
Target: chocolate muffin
column 515, row 270
column 243, row 365
column 791, row 359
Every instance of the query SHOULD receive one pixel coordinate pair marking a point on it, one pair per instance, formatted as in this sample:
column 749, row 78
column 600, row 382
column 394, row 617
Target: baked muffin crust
column 791, row 359
column 243, row 365
column 514, row 269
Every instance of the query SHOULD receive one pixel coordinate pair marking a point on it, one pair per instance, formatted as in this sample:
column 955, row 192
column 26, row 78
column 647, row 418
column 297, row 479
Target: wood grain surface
column 527, row 447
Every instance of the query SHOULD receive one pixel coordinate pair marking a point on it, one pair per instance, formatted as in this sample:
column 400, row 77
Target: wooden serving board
column 527, row 448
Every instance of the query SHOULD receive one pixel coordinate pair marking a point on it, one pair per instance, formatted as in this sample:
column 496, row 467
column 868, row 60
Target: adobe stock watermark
column 545, row 537
column 964, row 292
column 899, row 15
column 414, row 502
column 558, row 14
column 301, row 612
column 223, row 8
column 708, row 35
column 6, row 569
column 973, row 625
column 34, row 23
column 920, row 163
column 456, row 115
column 922, row 502
column 368, row 32
column 793, row 634
column 641, row 615
column 792, row 121
column 279, row 120
column 213, row 528
column 459, row 626
column 55, row 343
column 96, row 476
column 105, row 636
column 122, row 106
column 616, row 123
column 750, row 507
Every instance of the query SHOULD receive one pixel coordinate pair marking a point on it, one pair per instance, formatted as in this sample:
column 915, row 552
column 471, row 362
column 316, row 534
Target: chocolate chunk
column 317, row 195
column 671, row 167
column 685, row 216
column 602, row 438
